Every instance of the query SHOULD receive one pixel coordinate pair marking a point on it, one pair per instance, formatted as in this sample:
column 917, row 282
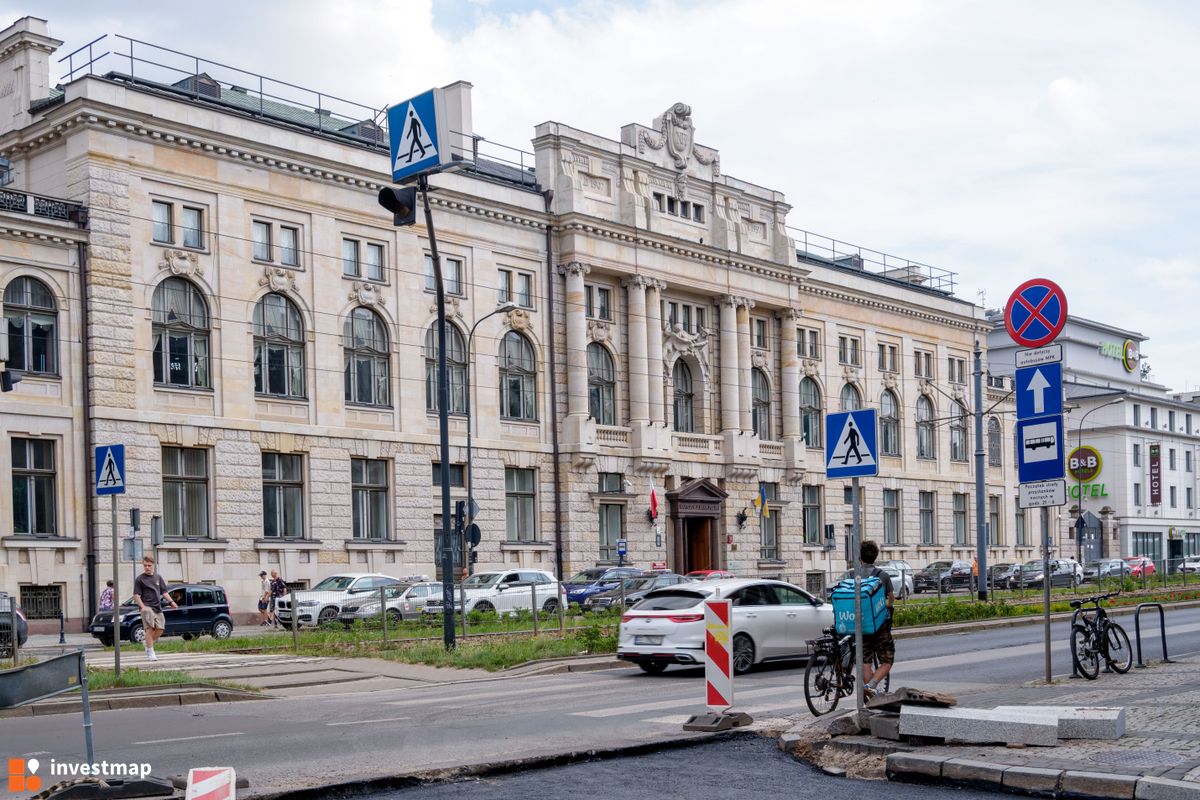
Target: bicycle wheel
column 821, row 684
column 1083, row 652
column 1118, row 652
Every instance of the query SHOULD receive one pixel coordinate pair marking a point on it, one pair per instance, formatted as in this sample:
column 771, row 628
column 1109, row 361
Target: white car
column 1191, row 564
column 506, row 592
column 771, row 620
column 323, row 602
column 902, row 580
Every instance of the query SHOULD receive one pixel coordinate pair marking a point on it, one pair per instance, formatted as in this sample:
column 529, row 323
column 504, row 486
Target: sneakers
column 150, row 656
column 868, row 692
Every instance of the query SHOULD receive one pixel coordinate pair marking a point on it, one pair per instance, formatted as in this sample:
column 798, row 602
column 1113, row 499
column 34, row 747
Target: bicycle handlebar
column 1090, row 600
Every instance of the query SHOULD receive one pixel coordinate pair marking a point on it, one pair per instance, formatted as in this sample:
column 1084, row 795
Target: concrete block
column 885, row 726
column 1097, row 785
column 914, row 768
column 1166, row 789
column 979, row 725
column 893, row 700
column 979, row 774
column 1032, row 781
column 1080, row 722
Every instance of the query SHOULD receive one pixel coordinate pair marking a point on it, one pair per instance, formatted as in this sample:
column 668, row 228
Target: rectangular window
column 808, row 343
column 611, row 527
column 697, row 212
column 923, row 364
column 41, row 602
column 598, row 301
column 369, row 495
column 760, row 333
column 926, row 501
column 505, row 287
column 452, row 275
column 458, row 475
column 848, row 351
column 162, row 230
column 891, row 516
column 660, row 201
column 1148, row 543
column 1137, row 494
column 374, row 262
column 960, row 518
column 957, row 368
column 519, row 497
column 812, row 514
column 1187, row 424
column 1187, row 460
column 993, row 532
column 289, row 246
column 1172, row 491
column 611, row 483
column 1137, row 455
column 1154, row 418
column 887, row 358
column 193, row 228
column 1171, row 458
column 350, row 264
column 283, row 496
column 768, row 528
column 686, row 318
column 33, row 479
column 1137, row 414
column 516, row 287
column 1189, row 498
column 261, row 232
column 1171, row 420
column 185, row 492
column 672, row 206
column 1019, row 521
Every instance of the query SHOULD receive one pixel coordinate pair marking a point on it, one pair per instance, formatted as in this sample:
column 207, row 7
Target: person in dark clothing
column 149, row 592
column 880, row 644
column 278, row 590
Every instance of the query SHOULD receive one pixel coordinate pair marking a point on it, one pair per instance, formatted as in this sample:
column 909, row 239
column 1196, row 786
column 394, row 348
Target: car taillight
column 629, row 617
column 686, row 617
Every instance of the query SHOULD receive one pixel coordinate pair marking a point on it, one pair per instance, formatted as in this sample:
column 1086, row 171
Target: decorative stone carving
column 758, row 358
column 368, row 294
column 789, row 314
column 678, row 341
column 567, row 165
column 519, row 320
column 453, row 308
column 678, row 133
column 574, row 268
column 959, row 394
column 925, row 388
column 681, row 186
column 737, row 302
column 637, row 282
column 278, row 279
column 599, row 330
column 889, row 380
column 708, row 157
column 811, row 368
column 850, row 374
column 181, row 262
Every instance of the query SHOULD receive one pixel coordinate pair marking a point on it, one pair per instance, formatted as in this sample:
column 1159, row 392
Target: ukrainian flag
column 760, row 502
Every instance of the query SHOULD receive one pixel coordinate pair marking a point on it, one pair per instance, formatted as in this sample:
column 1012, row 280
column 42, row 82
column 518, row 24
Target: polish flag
column 653, row 501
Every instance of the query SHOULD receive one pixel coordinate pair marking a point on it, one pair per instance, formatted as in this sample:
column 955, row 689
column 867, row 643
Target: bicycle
column 830, row 673
column 1095, row 636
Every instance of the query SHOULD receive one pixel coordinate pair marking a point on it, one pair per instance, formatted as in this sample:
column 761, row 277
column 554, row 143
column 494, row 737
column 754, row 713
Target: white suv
column 323, row 602
column 506, row 591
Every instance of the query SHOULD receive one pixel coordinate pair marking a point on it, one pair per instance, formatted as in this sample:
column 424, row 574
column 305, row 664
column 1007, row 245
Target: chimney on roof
column 457, row 97
column 24, row 70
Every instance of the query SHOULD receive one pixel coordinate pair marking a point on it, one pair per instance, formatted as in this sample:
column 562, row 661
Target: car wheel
column 328, row 614
column 394, row 616
column 550, row 606
column 652, row 667
column 743, row 654
column 137, row 634
column 484, row 607
column 187, row 637
column 946, row 587
column 106, row 641
column 221, row 629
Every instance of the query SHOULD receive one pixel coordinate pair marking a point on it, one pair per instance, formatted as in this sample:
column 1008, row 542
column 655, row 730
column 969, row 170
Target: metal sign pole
column 87, row 708
column 857, row 562
column 981, row 531
column 1046, row 594
column 116, row 611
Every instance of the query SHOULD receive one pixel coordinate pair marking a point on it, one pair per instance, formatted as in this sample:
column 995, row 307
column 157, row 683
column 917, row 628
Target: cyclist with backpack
column 878, row 645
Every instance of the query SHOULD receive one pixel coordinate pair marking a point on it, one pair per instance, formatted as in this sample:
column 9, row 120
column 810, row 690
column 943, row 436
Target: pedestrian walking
column 149, row 592
column 879, row 645
column 106, row 597
column 264, row 600
column 278, row 590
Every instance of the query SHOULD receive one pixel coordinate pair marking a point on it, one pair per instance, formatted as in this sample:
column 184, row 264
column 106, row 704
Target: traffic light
column 8, row 379
column 474, row 555
column 401, row 202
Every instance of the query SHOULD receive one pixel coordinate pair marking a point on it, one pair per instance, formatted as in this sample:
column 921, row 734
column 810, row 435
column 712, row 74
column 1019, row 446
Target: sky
column 998, row 140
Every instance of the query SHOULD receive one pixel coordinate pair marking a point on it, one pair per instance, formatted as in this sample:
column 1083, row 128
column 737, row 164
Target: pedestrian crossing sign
column 417, row 134
column 850, row 438
column 110, row 469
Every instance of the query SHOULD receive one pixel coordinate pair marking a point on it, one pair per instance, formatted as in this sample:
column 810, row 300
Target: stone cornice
column 868, row 301
column 27, row 229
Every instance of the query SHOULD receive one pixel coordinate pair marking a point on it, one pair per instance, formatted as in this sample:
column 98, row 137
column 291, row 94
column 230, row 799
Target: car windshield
column 334, row 583
column 633, row 584
column 670, row 600
column 587, row 576
column 481, row 579
column 938, row 565
column 1030, row 566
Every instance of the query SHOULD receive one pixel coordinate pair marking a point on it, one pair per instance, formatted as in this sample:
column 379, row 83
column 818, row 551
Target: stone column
column 730, row 396
column 576, row 319
column 654, row 350
column 635, row 287
column 743, row 346
column 790, row 373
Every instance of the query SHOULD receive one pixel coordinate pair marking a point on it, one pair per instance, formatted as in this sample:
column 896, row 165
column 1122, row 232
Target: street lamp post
column 1079, row 478
column 507, row 305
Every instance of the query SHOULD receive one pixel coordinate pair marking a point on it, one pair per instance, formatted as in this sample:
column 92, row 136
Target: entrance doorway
column 697, row 543
column 696, row 511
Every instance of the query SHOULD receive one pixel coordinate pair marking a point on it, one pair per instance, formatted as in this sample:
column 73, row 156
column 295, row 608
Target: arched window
column 456, row 369
column 810, row 412
column 926, row 444
column 761, row 392
column 278, row 347
column 994, row 443
column 851, row 399
column 601, row 380
column 32, row 317
column 181, row 352
column 685, row 401
column 365, row 347
column 889, row 423
column 958, row 432
column 518, row 378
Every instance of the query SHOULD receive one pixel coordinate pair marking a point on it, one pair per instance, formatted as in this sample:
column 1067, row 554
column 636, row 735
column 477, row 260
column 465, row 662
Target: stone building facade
column 258, row 336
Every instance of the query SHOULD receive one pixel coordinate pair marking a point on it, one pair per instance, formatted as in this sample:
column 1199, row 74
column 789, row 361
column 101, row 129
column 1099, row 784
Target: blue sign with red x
column 1036, row 312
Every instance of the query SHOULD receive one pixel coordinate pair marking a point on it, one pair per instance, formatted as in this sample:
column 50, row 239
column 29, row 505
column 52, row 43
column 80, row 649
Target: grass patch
column 496, row 654
column 964, row 610
column 138, row 678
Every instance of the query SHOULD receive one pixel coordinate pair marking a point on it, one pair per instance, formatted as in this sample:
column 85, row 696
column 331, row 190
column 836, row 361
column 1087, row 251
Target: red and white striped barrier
column 211, row 783
column 718, row 663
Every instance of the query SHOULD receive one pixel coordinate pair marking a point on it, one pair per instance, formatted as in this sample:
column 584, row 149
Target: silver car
column 405, row 601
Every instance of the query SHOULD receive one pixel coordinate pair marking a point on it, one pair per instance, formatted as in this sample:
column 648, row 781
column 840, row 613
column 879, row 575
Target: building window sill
column 193, row 543
column 519, row 546
column 375, row 544
column 36, row 542
column 287, row 544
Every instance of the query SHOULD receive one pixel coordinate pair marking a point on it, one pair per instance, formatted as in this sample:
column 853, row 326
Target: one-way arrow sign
column 1039, row 391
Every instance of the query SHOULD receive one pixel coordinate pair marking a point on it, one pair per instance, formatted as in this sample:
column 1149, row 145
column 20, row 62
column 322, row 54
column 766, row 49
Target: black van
column 202, row 609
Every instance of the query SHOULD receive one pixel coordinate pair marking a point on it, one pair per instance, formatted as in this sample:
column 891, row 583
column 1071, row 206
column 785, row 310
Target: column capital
column 789, row 314
column 655, row 285
column 574, row 268
column 737, row 302
column 637, row 282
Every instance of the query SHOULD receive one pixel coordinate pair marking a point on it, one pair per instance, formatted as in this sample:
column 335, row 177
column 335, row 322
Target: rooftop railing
column 817, row 249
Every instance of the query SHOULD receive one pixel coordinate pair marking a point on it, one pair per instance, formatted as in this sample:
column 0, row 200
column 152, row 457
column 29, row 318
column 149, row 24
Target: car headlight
column 307, row 603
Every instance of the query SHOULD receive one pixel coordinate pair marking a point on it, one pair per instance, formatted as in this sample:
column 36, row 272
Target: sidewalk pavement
column 1161, row 742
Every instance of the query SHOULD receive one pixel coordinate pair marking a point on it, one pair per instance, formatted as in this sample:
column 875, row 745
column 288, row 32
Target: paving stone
column 914, row 768
column 885, row 726
column 979, row 725
column 1033, row 781
column 979, row 774
column 892, row 701
column 1166, row 789
column 1080, row 722
column 1102, row 785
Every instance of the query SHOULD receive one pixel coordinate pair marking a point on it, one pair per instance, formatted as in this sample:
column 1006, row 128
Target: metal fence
column 9, row 622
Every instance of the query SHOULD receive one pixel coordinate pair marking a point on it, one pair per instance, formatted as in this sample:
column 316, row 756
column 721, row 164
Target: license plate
column 647, row 640
column 98, row 629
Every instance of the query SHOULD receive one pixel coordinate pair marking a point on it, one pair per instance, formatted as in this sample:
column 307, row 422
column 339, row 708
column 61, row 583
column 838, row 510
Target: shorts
column 880, row 646
column 153, row 619
column 262, row 605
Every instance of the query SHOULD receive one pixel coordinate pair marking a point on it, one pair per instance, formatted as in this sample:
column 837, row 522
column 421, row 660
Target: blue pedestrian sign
column 850, row 450
column 418, row 135
column 1039, row 390
column 1040, row 449
column 110, row 469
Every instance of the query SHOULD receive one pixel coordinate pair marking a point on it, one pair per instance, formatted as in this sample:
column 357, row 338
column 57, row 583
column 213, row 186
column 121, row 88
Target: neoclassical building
column 223, row 295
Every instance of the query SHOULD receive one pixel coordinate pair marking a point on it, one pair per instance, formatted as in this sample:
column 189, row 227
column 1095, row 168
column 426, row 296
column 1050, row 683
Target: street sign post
column 110, row 481
column 1039, row 390
column 1040, row 449
column 622, row 549
column 1043, row 355
column 1036, row 312
column 418, row 135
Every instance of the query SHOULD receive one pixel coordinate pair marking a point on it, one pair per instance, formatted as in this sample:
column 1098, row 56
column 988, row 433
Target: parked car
column 1063, row 572
column 1191, row 564
column 949, row 575
column 999, row 574
column 710, row 574
column 323, row 602
column 633, row 590
column 902, row 581
column 1140, row 565
column 405, row 601
column 7, row 605
column 1105, row 568
column 588, row 582
column 202, row 609
column 771, row 620
column 900, row 564
column 505, row 592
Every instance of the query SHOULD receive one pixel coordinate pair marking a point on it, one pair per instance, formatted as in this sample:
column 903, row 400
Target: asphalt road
column 322, row 739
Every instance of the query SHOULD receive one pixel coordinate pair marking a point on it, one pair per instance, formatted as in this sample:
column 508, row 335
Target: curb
column 123, row 699
column 1032, row 781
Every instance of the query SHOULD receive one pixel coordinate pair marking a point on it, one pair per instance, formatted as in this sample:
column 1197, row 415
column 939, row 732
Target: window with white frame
column 597, row 302
column 278, row 348
column 362, row 259
column 808, row 343
column 31, row 316
column 283, row 496
column 275, row 243
column 887, row 357
column 162, row 229
column 891, row 516
column 850, row 398
column 811, row 509
column 366, row 358
column 260, row 234
column 33, row 494
column 519, row 502
column 850, row 351
column 956, row 369
column 960, row 518
column 289, row 246
column 1019, row 527
column 452, row 275
column 185, row 492
column 164, row 214
column 516, row 286
column 369, row 497
column 923, row 364
column 926, row 502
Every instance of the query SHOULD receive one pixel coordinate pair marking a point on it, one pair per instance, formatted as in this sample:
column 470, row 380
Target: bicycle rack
column 1137, row 631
